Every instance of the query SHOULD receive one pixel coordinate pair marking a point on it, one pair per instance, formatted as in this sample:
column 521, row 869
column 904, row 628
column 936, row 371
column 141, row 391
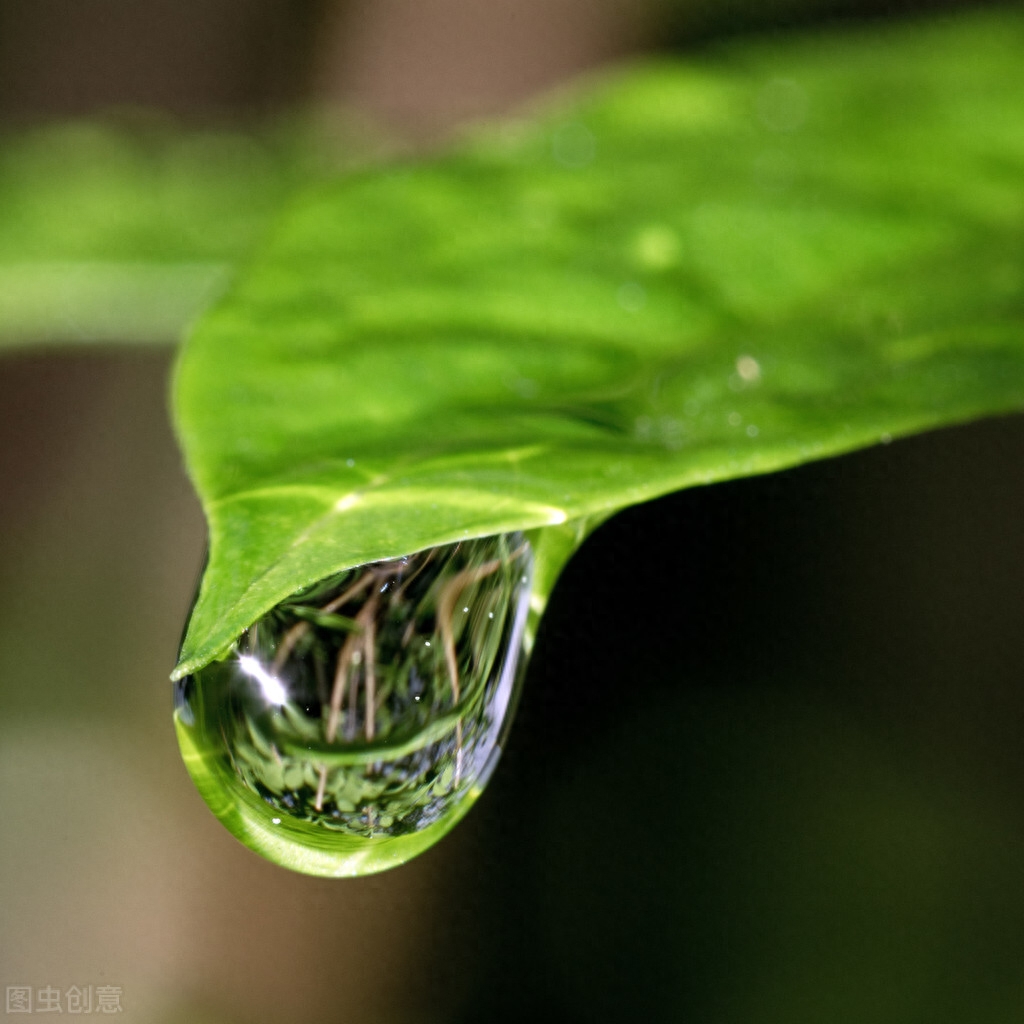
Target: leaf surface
column 684, row 272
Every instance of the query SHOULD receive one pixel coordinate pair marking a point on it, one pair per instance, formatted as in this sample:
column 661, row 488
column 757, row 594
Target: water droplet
column 782, row 105
column 749, row 369
column 573, row 145
column 351, row 727
column 631, row 297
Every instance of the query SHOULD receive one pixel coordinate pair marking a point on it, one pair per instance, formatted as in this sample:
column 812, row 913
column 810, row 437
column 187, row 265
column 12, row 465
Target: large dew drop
column 354, row 724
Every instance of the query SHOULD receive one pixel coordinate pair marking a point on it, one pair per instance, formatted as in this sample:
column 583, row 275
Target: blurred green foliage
column 123, row 229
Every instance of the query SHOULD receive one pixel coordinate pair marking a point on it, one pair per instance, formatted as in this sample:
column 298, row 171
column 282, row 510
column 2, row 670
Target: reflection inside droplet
column 355, row 723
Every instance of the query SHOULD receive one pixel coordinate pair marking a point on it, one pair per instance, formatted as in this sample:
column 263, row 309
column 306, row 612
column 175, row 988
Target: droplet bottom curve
column 354, row 724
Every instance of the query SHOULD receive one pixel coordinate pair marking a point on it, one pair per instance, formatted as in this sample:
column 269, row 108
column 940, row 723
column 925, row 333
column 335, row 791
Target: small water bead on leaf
column 355, row 723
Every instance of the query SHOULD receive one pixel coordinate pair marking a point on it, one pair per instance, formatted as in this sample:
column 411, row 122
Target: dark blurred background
column 767, row 764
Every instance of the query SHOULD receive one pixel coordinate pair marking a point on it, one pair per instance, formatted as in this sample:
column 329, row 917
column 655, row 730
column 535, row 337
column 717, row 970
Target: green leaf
column 124, row 230
column 691, row 271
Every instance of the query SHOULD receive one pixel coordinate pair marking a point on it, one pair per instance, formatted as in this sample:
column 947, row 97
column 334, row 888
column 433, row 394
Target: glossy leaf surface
column 687, row 272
